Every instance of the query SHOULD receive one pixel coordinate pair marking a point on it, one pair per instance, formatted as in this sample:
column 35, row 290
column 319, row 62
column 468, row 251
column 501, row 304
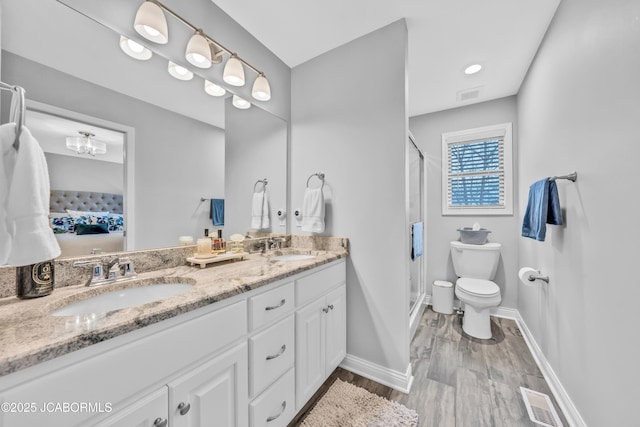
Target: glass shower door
column 416, row 214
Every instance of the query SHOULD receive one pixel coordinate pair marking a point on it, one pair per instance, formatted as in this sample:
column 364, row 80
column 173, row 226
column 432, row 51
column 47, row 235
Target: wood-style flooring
column 459, row 380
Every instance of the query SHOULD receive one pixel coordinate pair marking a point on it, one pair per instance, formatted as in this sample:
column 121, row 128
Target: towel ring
column 320, row 176
column 264, row 182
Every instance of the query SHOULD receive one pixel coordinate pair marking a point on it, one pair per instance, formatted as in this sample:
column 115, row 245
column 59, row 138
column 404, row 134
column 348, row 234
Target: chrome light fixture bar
column 202, row 50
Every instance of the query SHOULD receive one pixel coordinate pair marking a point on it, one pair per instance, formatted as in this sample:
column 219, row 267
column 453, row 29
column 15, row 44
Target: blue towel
column 416, row 239
column 217, row 211
column 543, row 208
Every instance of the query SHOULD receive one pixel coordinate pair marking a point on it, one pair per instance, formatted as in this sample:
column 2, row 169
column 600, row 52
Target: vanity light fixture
column 151, row 23
column 213, row 89
column 472, row 69
column 134, row 49
column 86, row 144
column 179, row 72
column 240, row 103
column 202, row 51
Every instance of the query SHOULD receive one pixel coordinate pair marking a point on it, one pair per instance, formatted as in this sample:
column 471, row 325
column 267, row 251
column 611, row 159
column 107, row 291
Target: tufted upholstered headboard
column 85, row 201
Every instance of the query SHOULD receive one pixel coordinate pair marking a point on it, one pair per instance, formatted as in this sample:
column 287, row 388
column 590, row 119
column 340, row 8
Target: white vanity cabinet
column 321, row 329
column 253, row 359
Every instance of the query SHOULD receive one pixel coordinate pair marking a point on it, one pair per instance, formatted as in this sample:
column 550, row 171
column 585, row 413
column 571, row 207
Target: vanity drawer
column 276, row 406
column 319, row 283
column 271, row 305
column 271, row 353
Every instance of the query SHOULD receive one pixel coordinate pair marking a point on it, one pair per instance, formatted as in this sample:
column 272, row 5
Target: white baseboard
column 564, row 401
column 396, row 380
column 506, row 312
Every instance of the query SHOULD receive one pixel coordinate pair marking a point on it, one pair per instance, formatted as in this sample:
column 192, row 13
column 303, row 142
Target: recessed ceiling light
column 472, row 69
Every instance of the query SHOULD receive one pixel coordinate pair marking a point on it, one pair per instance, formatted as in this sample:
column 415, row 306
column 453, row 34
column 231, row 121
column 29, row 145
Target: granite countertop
column 30, row 334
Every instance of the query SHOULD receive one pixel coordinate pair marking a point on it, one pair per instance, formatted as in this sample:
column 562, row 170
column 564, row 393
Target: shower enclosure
column 415, row 159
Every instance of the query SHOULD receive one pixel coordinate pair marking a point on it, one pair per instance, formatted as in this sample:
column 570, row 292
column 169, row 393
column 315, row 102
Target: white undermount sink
column 292, row 257
column 123, row 298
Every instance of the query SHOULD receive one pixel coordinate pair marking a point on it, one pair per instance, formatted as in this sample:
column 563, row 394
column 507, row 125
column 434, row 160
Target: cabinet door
column 310, row 353
column 336, row 317
column 212, row 394
column 150, row 411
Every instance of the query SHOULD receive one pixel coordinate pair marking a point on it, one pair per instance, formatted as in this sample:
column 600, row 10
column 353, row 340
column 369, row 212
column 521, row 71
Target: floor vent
column 540, row 408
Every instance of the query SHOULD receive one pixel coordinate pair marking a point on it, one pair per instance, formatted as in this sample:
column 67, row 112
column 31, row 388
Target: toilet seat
column 478, row 287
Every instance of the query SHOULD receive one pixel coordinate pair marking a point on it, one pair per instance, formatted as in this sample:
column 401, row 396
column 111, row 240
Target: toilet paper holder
column 537, row 276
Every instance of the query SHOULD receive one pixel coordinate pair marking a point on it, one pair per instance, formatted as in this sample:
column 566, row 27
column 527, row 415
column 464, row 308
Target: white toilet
column 476, row 265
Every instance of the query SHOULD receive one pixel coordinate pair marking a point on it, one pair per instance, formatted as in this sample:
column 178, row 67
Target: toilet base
column 476, row 322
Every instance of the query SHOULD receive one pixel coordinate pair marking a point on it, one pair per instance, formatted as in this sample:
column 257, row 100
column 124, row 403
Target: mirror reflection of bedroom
column 86, row 171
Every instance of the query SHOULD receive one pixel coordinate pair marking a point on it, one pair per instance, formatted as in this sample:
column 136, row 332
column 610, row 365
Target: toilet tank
column 475, row 261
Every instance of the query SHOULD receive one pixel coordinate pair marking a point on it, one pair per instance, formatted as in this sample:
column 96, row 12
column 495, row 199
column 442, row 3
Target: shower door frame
column 417, row 307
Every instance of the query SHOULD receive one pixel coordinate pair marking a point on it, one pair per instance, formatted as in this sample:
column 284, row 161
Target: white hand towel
column 313, row 210
column 24, row 201
column 260, row 211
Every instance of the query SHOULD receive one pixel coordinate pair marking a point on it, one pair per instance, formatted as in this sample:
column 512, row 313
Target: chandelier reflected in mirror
column 86, row 144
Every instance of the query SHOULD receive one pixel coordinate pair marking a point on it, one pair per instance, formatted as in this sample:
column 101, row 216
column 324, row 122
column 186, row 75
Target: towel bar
column 320, row 176
column 264, row 182
column 571, row 177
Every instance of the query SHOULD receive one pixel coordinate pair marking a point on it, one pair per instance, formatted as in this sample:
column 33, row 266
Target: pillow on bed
column 91, row 229
column 89, row 218
column 62, row 224
column 116, row 222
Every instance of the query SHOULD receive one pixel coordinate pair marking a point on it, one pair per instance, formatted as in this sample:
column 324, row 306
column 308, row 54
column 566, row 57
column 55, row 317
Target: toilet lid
column 478, row 287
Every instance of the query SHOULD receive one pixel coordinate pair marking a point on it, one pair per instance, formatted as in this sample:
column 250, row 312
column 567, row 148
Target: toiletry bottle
column 35, row 280
column 220, row 242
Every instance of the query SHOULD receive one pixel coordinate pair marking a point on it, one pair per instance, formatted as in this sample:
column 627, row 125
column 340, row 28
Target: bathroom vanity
column 247, row 345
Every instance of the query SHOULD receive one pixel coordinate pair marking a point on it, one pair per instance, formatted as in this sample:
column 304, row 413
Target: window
column 476, row 171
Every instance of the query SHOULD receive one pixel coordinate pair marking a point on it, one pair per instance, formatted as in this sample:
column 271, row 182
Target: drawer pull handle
column 274, row 417
column 184, row 408
column 280, row 353
column 159, row 422
column 273, row 307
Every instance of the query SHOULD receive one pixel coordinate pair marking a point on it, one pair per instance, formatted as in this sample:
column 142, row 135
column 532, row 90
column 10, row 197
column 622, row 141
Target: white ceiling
column 445, row 36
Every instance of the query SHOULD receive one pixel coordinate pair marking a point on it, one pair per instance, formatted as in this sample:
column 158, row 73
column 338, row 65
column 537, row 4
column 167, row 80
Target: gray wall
column 253, row 152
column 178, row 160
column 96, row 175
column 578, row 109
column 440, row 230
column 349, row 121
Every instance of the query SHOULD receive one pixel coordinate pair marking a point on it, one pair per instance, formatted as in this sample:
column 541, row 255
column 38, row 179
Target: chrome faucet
column 262, row 245
column 108, row 265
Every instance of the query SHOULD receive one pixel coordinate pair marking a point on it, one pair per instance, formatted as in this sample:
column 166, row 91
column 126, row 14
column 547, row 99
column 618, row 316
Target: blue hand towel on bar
column 416, row 240
column 217, row 211
column 543, row 208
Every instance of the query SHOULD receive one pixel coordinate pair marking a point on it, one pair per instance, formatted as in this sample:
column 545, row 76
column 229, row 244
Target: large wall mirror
column 175, row 139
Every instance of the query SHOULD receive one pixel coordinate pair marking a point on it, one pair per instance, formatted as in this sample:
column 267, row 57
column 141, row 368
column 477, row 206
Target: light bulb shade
column 179, row 72
column 151, row 23
column 198, row 51
column 234, row 72
column 134, row 49
column 261, row 89
column 472, row 69
column 96, row 147
column 76, row 143
column 213, row 89
column 240, row 103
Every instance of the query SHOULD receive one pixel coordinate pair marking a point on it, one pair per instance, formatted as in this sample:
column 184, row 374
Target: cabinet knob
column 325, row 310
column 159, row 422
column 273, row 307
column 183, row 408
column 274, row 417
column 331, row 306
column 280, row 353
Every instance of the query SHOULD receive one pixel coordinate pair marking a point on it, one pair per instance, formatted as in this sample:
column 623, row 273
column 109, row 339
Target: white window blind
column 477, row 171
